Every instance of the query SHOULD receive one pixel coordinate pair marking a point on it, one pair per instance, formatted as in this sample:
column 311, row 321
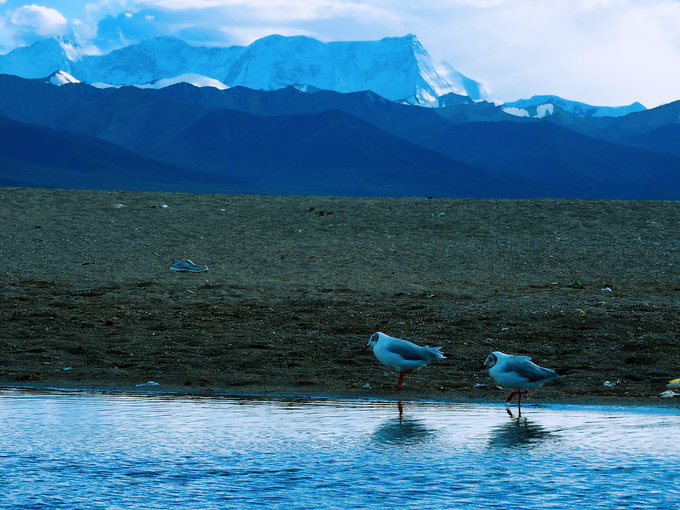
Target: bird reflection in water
column 402, row 430
column 519, row 432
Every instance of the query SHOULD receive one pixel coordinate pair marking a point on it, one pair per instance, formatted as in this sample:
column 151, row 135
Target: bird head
column 373, row 340
column 490, row 361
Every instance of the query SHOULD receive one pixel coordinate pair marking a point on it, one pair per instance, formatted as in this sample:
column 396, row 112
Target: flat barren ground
column 296, row 285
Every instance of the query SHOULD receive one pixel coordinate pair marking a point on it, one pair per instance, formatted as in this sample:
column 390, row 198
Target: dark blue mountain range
column 239, row 140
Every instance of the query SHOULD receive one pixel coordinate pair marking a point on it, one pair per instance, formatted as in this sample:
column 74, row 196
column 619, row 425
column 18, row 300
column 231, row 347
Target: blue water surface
column 94, row 450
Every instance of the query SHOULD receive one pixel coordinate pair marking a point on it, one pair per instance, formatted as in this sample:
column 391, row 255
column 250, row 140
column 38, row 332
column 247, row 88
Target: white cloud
column 39, row 20
column 6, row 40
column 180, row 5
column 275, row 10
column 598, row 51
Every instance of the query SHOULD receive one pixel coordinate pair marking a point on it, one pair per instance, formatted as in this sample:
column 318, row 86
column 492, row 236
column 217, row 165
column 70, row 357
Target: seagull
column 401, row 354
column 517, row 372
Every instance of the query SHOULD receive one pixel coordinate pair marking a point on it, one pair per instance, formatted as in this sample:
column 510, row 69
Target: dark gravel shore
column 296, row 285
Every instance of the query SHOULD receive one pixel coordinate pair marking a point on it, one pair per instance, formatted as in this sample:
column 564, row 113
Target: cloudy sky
column 603, row 52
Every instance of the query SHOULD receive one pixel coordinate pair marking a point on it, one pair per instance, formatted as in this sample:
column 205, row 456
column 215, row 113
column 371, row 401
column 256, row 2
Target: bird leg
column 519, row 396
column 401, row 379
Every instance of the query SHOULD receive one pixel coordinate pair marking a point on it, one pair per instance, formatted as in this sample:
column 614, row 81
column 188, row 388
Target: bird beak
column 365, row 347
column 480, row 367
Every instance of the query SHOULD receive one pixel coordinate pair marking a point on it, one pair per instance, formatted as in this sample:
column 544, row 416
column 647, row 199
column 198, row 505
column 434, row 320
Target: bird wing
column 526, row 369
column 412, row 352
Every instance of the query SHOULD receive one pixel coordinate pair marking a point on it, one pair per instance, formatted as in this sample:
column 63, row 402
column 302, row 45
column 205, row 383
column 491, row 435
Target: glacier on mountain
column 397, row 68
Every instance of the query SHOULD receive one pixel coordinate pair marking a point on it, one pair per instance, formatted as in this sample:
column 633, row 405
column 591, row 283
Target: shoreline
column 487, row 397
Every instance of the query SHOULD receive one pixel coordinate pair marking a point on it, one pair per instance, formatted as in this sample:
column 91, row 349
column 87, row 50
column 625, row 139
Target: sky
column 601, row 52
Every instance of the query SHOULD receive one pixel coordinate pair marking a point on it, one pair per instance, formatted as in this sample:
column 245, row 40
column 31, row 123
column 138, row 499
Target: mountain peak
column 60, row 78
column 42, row 58
column 162, row 41
column 413, row 40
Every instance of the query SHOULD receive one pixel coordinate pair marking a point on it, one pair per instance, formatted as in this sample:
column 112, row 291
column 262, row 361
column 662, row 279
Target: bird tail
column 435, row 352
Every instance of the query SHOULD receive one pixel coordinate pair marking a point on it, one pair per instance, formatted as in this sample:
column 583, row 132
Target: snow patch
column 101, row 85
column 543, row 110
column 197, row 80
column 71, row 50
column 61, row 78
column 307, row 89
column 517, row 112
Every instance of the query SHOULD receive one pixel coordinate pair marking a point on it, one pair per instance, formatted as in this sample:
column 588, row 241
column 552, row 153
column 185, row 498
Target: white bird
column 401, row 354
column 517, row 372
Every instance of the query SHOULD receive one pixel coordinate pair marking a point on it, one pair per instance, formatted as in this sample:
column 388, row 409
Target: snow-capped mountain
column 397, row 68
column 60, row 78
column 542, row 106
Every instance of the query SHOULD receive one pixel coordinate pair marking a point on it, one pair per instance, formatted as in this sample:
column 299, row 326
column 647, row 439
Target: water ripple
column 97, row 450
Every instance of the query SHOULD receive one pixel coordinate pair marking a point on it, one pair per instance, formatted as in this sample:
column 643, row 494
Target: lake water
column 109, row 450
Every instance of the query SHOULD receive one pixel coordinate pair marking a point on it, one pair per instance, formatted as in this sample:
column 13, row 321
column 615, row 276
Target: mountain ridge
column 398, row 68
column 532, row 107
column 288, row 141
